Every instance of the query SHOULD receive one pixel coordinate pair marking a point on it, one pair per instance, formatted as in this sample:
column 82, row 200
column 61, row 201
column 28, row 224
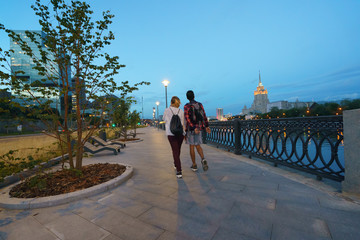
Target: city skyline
column 306, row 50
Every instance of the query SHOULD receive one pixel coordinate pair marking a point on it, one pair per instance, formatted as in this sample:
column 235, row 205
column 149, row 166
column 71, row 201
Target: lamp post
column 166, row 83
column 157, row 109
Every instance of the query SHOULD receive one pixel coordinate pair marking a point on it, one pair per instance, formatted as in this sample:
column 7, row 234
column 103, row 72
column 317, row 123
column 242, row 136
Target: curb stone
column 27, row 173
column 31, row 203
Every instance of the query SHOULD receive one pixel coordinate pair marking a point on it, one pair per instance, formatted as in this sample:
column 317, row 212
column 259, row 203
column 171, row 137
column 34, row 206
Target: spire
column 259, row 78
column 260, row 84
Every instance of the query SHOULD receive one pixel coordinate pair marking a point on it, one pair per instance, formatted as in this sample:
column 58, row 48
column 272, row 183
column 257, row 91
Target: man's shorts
column 193, row 139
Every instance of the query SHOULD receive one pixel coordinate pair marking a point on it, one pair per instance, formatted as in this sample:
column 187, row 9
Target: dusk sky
column 307, row 50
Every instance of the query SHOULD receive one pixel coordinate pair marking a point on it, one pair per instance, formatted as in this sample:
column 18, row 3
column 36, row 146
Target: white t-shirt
column 168, row 115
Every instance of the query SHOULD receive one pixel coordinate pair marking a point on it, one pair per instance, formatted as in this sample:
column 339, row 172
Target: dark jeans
column 175, row 142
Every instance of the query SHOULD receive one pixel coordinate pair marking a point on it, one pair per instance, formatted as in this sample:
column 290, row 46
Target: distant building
column 219, row 114
column 82, row 94
column 285, row 105
column 278, row 104
column 211, row 118
column 4, row 94
column 22, row 62
column 260, row 102
column 227, row 116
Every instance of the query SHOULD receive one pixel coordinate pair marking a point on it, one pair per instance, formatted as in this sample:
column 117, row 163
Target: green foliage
column 350, row 104
column 72, row 45
column 75, row 172
column 326, row 109
column 37, row 182
column 10, row 165
column 123, row 117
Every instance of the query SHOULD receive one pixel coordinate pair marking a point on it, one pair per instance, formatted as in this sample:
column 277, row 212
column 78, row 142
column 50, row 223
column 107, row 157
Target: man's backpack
column 196, row 113
column 175, row 124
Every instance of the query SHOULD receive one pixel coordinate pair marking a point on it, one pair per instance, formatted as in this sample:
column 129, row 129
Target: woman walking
column 175, row 140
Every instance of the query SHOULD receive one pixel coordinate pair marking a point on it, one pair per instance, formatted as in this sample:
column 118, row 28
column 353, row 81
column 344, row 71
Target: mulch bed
column 66, row 181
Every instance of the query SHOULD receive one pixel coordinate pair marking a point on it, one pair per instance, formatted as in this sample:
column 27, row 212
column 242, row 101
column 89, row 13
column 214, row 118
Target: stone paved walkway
column 237, row 198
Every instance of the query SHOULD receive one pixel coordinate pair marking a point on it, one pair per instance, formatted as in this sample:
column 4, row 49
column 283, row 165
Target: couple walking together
column 193, row 121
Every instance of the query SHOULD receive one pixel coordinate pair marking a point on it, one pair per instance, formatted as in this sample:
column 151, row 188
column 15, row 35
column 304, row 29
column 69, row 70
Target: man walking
column 196, row 121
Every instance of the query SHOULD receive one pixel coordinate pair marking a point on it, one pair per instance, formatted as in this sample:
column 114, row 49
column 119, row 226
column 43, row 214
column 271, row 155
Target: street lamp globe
column 165, row 82
column 157, row 109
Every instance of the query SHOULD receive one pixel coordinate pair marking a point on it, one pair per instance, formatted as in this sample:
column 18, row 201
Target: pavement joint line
column 294, row 176
column 32, row 203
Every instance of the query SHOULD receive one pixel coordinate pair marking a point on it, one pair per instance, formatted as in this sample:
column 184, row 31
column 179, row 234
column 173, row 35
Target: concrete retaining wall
column 351, row 184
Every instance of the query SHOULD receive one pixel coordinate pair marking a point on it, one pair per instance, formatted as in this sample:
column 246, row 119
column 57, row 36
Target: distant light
column 165, row 82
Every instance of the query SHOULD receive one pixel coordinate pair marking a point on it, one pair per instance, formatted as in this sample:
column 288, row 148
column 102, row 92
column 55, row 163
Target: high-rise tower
column 261, row 100
column 23, row 66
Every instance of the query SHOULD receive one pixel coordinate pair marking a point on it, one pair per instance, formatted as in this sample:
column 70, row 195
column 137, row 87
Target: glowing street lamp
column 157, row 109
column 166, row 83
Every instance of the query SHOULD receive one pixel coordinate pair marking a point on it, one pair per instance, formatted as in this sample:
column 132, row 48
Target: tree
column 134, row 120
column 121, row 115
column 71, row 44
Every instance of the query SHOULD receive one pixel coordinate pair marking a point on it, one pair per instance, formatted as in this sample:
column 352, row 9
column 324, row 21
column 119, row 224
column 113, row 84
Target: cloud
column 342, row 96
column 350, row 74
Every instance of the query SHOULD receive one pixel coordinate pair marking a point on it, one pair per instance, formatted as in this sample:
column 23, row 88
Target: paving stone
column 252, row 211
column 315, row 230
column 229, row 186
column 351, row 218
column 297, row 197
column 300, row 222
column 256, row 200
column 236, row 178
column 67, row 227
column 339, row 204
column 26, row 228
column 175, row 236
column 207, row 213
column 113, row 237
column 296, row 187
column 160, row 189
column 340, row 231
column 193, row 185
column 179, row 224
column 92, row 211
column 129, row 206
column 295, row 206
column 10, row 216
column 164, row 202
column 257, row 228
column 255, row 191
column 266, row 175
column 262, row 184
column 223, row 234
column 127, row 227
column 203, row 200
column 46, row 215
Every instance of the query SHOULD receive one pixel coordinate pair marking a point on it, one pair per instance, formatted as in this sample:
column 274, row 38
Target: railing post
column 351, row 119
column 237, row 132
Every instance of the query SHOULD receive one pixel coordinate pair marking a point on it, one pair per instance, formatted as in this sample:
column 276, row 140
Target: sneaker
column 178, row 174
column 204, row 165
column 174, row 167
column 194, row 168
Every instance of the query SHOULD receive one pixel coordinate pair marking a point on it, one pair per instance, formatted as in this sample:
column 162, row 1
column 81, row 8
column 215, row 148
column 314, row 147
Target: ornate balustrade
column 310, row 144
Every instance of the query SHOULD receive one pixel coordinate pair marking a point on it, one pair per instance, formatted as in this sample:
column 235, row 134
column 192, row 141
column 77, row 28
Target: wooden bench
column 104, row 143
column 88, row 147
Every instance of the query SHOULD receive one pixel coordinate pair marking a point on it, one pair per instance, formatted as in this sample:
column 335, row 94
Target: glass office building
column 22, row 62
